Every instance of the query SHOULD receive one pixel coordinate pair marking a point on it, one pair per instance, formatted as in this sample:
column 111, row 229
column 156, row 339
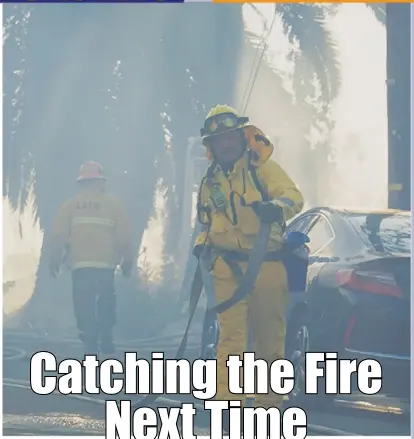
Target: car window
column 320, row 234
column 384, row 232
column 302, row 224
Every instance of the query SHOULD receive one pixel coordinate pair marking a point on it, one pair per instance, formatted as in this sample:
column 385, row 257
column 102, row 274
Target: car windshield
column 389, row 233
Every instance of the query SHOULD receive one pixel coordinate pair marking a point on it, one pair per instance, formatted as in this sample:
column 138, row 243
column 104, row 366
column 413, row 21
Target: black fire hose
column 257, row 255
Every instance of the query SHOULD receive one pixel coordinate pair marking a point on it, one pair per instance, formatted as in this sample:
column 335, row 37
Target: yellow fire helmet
column 223, row 119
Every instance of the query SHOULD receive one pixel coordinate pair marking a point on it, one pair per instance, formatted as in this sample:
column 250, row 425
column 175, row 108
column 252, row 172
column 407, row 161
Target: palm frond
column 305, row 25
column 379, row 10
column 15, row 174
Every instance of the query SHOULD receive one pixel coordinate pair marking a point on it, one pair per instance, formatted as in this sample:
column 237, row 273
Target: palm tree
column 316, row 84
column 304, row 24
column 65, row 119
column 138, row 133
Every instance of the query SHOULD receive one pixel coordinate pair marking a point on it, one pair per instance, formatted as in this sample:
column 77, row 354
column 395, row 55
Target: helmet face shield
column 221, row 123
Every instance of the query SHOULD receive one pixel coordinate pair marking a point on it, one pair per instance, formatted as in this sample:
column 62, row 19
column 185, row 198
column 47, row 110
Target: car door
column 301, row 224
column 321, row 235
column 322, row 299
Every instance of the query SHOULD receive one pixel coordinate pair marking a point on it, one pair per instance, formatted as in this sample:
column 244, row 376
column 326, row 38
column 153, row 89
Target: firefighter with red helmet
column 95, row 231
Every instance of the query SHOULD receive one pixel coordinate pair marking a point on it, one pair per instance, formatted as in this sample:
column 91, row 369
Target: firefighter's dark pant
column 94, row 304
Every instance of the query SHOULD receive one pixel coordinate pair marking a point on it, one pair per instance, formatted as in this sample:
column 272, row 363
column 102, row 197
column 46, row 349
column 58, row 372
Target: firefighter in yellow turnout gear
column 242, row 186
column 94, row 230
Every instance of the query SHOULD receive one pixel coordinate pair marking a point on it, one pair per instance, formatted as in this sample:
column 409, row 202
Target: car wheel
column 298, row 343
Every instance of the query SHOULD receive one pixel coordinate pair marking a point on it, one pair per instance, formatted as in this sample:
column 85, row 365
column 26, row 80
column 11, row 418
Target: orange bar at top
column 322, row 1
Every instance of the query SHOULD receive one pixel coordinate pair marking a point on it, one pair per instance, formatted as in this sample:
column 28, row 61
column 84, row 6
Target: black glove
column 197, row 250
column 268, row 212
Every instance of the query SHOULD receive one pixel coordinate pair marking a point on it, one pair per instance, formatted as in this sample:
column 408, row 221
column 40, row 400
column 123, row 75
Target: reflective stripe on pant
column 264, row 312
column 94, row 302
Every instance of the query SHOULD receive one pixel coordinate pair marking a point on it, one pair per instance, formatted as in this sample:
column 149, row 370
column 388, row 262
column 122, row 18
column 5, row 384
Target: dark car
column 358, row 300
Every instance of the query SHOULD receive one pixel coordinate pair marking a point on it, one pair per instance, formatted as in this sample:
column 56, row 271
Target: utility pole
column 398, row 16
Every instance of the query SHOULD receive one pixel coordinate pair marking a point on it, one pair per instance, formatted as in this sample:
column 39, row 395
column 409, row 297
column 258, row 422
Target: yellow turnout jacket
column 94, row 229
column 237, row 226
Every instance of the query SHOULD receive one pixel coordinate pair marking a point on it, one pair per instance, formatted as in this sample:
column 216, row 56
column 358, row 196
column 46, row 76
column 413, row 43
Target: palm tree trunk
column 398, row 74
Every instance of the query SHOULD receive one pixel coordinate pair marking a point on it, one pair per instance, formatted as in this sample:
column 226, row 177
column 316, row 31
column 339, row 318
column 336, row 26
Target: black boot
column 90, row 344
column 91, row 348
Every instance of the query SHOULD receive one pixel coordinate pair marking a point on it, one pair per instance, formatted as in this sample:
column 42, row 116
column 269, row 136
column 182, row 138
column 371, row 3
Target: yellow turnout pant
column 263, row 312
